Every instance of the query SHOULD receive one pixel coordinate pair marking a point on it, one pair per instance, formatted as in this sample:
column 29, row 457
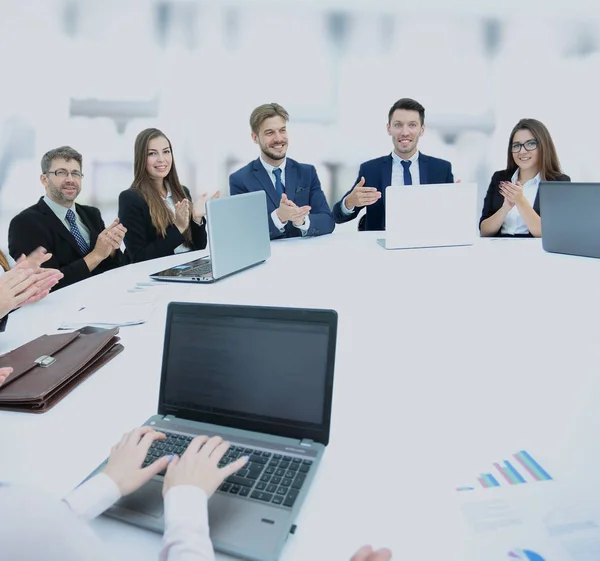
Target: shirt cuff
column 93, row 497
column 304, row 227
column 345, row 209
column 278, row 223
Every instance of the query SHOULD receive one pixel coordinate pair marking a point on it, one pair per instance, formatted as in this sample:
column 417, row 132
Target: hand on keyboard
column 198, row 465
column 366, row 553
column 124, row 465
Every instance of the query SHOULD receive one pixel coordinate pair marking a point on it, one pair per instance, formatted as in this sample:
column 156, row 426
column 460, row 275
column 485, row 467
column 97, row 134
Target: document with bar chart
column 520, row 469
column 522, row 508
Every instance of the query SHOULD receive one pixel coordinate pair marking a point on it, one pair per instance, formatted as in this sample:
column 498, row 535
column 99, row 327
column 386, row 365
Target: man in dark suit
column 404, row 166
column 296, row 203
column 80, row 244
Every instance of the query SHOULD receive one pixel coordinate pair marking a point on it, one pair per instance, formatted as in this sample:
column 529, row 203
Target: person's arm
column 449, row 174
column 344, row 211
column 186, row 536
column 355, row 200
column 492, row 219
column 93, row 497
column 198, row 228
column 25, row 235
column 135, row 216
column 236, row 187
column 514, row 194
column 320, row 220
column 115, row 258
column 189, row 481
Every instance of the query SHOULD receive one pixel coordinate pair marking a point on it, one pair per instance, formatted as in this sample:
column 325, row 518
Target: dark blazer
column 142, row 241
column 302, row 186
column 378, row 173
column 494, row 200
column 3, row 323
column 39, row 226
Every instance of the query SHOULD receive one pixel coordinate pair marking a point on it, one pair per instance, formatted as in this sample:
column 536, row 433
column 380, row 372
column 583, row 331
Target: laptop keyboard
column 267, row 477
column 200, row 270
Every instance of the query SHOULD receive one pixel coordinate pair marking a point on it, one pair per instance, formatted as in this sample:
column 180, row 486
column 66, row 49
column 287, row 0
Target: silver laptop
column 430, row 216
column 238, row 238
column 570, row 218
column 226, row 371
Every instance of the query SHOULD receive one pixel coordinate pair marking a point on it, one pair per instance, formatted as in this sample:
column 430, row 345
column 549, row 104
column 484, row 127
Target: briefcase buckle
column 44, row 361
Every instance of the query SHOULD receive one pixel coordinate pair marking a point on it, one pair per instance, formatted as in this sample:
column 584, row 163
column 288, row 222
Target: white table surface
column 447, row 360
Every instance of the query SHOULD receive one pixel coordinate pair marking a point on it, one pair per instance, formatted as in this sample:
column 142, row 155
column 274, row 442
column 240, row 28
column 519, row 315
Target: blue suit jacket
column 302, row 186
column 378, row 173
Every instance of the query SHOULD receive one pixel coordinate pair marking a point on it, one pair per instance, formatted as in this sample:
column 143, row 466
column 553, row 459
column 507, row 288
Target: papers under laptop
column 238, row 238
column 226, row 371
column 430, row 216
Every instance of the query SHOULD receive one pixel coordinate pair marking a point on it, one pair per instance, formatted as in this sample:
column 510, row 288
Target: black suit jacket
column 39, row 226
column 142, row 241
column 494, row 200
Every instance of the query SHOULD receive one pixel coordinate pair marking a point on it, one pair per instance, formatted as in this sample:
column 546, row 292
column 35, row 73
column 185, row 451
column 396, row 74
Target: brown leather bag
column 49, row 367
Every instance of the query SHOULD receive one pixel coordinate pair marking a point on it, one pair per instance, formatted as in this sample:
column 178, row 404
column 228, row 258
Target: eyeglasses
column 62, row 173
column 529, row 146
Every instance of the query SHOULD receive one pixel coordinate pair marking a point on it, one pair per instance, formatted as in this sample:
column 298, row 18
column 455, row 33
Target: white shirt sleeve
column 93, row 497
column 278, row 223
column 304, row 227
column 186, row 536
column 344, row 209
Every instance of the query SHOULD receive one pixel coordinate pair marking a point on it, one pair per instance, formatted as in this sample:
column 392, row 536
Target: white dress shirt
column 61, row 212
column 36, row 526
column 278, row 223
column 514, row 223
column 397, row 175
column 169, row 201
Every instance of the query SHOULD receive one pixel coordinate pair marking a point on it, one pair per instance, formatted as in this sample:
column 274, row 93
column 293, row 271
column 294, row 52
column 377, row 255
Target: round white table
column 447, row 360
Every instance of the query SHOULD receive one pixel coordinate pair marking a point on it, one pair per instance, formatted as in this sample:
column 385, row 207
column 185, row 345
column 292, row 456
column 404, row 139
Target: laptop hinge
column 307, row 442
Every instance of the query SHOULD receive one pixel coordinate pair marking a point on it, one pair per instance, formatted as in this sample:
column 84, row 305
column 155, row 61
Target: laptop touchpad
column 147, row 500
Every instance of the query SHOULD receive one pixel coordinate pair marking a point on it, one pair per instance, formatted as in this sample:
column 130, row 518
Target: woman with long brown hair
column 157, row 210
column 511, row 207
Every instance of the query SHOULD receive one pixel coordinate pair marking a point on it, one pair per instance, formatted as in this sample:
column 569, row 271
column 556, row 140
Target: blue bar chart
column 521, row 469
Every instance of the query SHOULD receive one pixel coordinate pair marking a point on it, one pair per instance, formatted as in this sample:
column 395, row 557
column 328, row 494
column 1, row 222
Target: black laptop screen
column 242, row 369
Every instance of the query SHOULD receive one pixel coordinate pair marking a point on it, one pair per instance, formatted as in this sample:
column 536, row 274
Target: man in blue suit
column 405, row 166
column 296, row 203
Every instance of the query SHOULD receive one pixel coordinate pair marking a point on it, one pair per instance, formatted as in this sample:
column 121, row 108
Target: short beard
column 58, row 195
column 272, row 155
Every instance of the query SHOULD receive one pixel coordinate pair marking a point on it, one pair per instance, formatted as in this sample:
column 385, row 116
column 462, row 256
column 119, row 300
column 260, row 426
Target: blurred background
column 93, row 74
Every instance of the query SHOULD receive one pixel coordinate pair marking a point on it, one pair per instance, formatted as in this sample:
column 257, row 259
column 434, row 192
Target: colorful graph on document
column 521, row 468
column 525, row 555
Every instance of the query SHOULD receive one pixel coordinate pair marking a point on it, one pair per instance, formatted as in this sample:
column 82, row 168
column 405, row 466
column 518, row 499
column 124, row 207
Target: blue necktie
column 278, row 183
column 83, row 246
column 407, row 175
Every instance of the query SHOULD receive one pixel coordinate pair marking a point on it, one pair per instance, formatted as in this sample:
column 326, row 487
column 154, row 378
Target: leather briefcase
column 49, row 367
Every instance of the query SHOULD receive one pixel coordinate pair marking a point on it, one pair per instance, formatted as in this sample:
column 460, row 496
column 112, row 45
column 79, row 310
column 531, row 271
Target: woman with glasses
column 157, row 210
column 511, row 207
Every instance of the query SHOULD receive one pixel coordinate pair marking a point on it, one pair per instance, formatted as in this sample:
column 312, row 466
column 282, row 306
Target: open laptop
column 570, row 217
column 238, row 238
column 226, row 371
column 430, row 216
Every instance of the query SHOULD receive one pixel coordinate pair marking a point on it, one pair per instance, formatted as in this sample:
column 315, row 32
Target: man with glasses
column 75, row 234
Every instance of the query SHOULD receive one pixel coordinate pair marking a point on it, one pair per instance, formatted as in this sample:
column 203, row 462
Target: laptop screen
column 254, row 368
